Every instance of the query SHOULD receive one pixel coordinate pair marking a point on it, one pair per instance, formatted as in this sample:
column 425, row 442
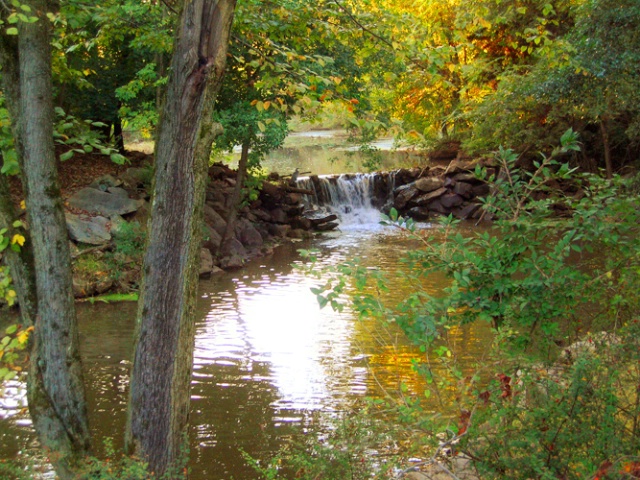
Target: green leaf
column 66, row 155
column 118, row 159
column 12, row 31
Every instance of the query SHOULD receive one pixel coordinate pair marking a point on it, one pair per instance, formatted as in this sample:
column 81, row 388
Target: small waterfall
column 355, row 198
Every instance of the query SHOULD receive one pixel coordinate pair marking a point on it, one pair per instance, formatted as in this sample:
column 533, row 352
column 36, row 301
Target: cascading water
column 355, row 198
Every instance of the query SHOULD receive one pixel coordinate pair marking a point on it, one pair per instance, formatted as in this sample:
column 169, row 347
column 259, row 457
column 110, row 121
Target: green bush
column 560, row 259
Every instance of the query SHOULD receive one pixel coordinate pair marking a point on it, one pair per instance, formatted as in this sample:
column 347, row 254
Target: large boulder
column 403, row 195
column 214, row 219
column 247, row 234
column 103, row 203
column 90, row 230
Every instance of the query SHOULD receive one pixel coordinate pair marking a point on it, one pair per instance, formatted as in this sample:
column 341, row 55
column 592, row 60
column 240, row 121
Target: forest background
column 477, row 75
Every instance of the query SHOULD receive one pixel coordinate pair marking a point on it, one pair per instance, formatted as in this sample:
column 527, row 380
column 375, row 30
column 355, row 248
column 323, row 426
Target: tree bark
column 56, row 394
column 236, row 196
column 20, row 263
column 604, row 131
column 161, row 376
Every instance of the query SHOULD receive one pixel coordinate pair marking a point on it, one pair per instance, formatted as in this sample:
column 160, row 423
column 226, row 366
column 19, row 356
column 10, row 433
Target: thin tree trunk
column 236, row 196
column 20, row 264
column 54, row 384
column 604, row 131
column 161, row 376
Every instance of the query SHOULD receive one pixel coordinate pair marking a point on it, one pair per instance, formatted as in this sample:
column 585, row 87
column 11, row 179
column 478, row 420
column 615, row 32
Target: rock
column 103, row 203
column 212, row 239
column 466, row 212
column 298, row 233
column 318, row 218
column 278, row 216
column 118, row 191
column 83, row 287
column 136, row 177
column 117, row 224
column 279, row 230
column 428, row 197
column 450, row 200
column 214, row 219
column 481, row 190
column 206, row 262
column 91, row 230
column 234, row 254
column 466, row 177
column 262, row 215
column 436, row 206
column 419, row 213
column 463, row 189
column 302, row 222
column 247, row 234
column 325, row 227
column 105, row 182
column 403, row 195
column 429, row 184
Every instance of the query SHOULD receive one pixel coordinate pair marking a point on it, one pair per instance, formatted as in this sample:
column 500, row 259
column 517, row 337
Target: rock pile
column 424, row 193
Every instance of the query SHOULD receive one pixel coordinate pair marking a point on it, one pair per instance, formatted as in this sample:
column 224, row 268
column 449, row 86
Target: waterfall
column 355, row 198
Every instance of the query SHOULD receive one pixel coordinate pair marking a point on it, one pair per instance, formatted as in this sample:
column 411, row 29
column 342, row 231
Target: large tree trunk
column 56, row 401
column 161, row 375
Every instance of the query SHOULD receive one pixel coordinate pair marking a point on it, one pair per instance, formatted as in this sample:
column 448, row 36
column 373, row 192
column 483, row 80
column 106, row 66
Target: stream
column 267, row 358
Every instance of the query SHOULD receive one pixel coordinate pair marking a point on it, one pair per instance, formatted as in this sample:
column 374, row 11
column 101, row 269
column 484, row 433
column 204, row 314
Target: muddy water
column 266, row 356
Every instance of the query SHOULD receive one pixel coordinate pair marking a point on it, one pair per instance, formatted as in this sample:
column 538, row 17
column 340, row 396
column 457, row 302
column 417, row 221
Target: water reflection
column 266, row 356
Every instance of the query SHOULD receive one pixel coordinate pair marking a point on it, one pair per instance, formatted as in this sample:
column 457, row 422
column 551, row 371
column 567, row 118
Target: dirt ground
column 82, row 169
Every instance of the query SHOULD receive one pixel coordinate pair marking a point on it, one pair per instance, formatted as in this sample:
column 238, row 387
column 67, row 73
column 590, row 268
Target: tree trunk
column 57, row 405
column 163, row 358
column 236, row 196
column 20, row 264
column 604, row 131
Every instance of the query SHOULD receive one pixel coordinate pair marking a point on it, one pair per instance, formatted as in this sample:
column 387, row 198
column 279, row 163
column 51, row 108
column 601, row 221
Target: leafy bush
column 560, row 259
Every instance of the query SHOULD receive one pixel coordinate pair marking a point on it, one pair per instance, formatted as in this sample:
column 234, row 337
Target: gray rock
column 105, row 182
column 463, row 189
column 419, row 213
column 429, row 197
column 118, row 191
column 403, row 195
column 212, row 239
column 467, row 211
column 429, row 184
column 436, row 206
column 247, row 234
column 136, row 177
column 278, row 216
column 214, row 219
column 90, row 230
column 481, row 190
column 206, row 262
column 103, row 203
column 279, row 230
column 450, row 200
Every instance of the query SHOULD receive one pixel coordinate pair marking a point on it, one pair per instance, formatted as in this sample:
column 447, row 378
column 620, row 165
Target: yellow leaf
column 267, row 104
column 23, row 337
column 19, row 239
column 11, row 293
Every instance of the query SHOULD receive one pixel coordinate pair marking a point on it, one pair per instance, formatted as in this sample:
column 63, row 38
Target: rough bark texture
column 161, row 375
column 58, row 408
column 20, row 264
